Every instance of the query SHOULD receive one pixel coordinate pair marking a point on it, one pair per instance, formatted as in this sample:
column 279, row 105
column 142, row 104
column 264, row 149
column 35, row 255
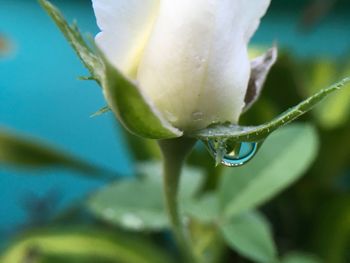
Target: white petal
column 195, row 67
column 125, row 26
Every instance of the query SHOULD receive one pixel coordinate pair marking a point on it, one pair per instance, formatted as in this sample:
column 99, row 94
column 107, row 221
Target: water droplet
column 233, row 154
column 132, row 221
column 170, row 116
column 199, row 62
column 197, row 116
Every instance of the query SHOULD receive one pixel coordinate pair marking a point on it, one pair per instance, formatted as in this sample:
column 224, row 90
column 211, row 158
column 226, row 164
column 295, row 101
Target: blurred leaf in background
column 332, row 231
column 297, row 257
column 138, row 204
column 250, row 234
column 75, row 244
column 22, row 152
column 335, row 111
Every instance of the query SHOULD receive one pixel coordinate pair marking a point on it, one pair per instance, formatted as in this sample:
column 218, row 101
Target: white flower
column 189, row 57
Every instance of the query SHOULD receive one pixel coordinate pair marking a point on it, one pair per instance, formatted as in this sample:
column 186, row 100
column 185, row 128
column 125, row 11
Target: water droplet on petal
column 170, row 116
column 197, row 116
column 233, row 154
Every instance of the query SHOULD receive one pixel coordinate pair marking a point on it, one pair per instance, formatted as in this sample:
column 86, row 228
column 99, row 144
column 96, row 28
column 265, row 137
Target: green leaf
column 332, row 230
column 132, row 204
column 138, row 204
column 333, row 112
column 257, row 133
column 206, row 209
column 282, row 160
column 18, row 151
column 133, row 110
column 191, row 178
column 206, row 242
column 298, row 257
column 90, row 60
column 74, row 245
column 250, row 235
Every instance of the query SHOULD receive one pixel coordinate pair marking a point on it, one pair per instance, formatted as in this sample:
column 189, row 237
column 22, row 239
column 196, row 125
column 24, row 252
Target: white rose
column 189, row 57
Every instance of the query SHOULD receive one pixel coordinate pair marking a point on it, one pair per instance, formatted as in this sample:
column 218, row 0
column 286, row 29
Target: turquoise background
column 41, row 96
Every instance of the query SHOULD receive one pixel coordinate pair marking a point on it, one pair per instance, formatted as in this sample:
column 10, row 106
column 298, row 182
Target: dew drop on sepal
column 232, row 154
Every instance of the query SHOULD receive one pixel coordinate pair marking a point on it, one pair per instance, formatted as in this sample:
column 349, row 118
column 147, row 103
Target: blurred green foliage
column 135, row 213
column 226, row 214
column 83, row 245
column 28, row 153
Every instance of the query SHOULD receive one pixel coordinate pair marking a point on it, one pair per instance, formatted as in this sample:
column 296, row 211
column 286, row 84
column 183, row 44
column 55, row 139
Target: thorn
column 86, row 78
column 100, row 112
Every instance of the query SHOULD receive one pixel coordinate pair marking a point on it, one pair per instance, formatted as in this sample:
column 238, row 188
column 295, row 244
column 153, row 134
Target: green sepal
column 258, row 133
column 133, row 110
column 71, row 32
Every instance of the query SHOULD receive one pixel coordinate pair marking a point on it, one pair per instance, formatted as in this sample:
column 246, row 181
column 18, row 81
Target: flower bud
column 189, row 57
